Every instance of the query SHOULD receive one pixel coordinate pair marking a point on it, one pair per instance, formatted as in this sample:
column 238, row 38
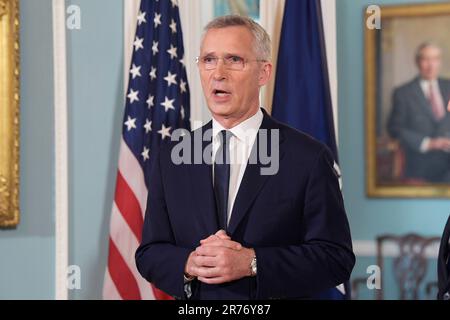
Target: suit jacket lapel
column 445, row 92
column 425, row 105
column 202, row 187
column 252, row 181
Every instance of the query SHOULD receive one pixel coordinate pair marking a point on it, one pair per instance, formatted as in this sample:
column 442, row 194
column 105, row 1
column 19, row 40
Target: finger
column 210, row 238
column 191, row 267
column 448, row 106
column 215, row 237
column 192, row 271
column 211, row 251
column 216, row 280
column 222, row 234
column 206, row 272
column 205, row 261
column 224, row 243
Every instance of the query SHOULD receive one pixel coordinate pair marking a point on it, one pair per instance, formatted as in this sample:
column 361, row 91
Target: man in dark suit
column 444, row 264
column 234, row 225
column 420, row 122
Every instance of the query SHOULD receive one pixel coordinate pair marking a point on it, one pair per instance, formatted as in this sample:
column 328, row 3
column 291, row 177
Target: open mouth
column 220, row 93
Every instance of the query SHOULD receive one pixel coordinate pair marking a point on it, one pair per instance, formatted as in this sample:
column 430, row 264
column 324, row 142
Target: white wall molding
column 61, row 147
column 329, row 29
column 131, row 10
column 368, row 248
column 194, row 15
column 271, row 19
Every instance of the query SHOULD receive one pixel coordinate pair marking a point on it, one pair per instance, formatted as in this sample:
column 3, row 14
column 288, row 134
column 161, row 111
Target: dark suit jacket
column 443, row 264
column 295, row 221
column 410, row 121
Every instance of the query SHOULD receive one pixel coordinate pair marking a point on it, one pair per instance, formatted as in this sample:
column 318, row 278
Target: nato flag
column 302, row 96
column 302, row 93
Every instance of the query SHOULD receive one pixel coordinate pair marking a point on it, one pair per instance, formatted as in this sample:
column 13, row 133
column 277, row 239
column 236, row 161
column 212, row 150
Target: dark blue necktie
column 222, row 177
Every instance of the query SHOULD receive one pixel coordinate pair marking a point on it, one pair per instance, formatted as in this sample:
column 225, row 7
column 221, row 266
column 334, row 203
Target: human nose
column 220, row 70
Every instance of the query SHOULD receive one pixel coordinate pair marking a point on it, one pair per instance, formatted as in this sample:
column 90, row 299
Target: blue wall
column 27, row 253
column 370, row 217
column 95, row 83
column 95, row 86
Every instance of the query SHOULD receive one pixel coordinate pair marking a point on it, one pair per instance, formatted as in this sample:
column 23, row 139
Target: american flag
column 157, row 102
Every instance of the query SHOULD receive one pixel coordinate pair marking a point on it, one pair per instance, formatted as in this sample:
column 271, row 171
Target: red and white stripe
column 122, row 280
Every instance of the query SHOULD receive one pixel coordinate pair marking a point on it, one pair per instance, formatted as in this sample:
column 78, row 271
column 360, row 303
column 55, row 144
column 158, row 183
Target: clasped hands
column 440, row 143
column 218, row 260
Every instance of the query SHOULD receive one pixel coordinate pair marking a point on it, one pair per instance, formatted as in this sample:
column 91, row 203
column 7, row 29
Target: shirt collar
column 244, row 130
column 426, row 82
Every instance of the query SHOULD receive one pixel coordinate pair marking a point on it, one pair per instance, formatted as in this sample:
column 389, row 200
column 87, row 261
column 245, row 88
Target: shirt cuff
column 187, row 286
column 425, row 145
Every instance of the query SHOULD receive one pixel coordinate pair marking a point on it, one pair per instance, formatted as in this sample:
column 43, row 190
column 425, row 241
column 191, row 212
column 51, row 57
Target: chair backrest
column 411, row 264
column 390, row 160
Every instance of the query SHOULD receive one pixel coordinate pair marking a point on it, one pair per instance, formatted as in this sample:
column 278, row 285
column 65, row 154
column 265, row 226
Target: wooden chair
column 390, row 160
column 409, row 267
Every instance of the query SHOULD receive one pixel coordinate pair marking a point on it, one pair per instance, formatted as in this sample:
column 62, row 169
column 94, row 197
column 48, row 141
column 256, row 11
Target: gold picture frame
column 9, row 113
column 385, row 163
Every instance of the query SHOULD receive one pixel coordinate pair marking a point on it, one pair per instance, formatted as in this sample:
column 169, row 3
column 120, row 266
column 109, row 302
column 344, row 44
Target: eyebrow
column 227, row 54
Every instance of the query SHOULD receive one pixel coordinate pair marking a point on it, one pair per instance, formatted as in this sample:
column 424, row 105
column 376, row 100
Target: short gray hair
column 423, row 46
column 261, row 38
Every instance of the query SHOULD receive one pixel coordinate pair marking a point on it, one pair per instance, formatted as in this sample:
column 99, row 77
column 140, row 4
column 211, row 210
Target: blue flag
column 302, row 94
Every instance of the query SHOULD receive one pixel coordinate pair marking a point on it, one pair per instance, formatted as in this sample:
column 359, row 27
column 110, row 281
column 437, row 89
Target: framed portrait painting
column 9, row 113
column 407, row 90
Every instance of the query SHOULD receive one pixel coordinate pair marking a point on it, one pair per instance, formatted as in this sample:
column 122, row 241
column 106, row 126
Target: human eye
column 235, row 59
column 209, row 59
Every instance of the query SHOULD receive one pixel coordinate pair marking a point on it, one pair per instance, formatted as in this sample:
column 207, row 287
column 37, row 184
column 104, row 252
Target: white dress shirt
column 241, row 143
column 425, row 86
